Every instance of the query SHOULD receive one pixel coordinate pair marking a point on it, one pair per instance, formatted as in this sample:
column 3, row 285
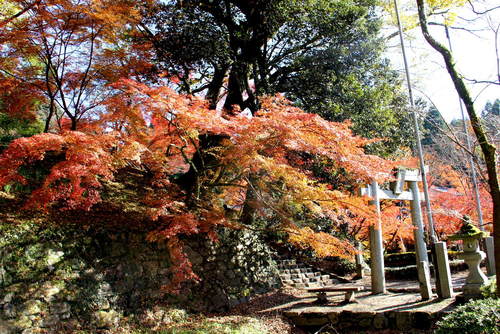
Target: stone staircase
column 299, row 275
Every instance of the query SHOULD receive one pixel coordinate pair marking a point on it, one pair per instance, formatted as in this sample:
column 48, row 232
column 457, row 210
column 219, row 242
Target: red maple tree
column 199, row 170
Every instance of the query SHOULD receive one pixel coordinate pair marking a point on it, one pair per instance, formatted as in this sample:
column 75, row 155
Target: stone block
column 3, row 276
column 50, row 321
column 106, row 319
column 33, row 306
column 50, row 292
column 445, row 289
column 380, row 321
column 490, row 255
column 9, row 311
column 364, row 319
column 309, row 320
column 424, row 279
column 404, row 320
column 365, row 322
column 345, row 325
column 422, row 320
column 59, row 308
column 54, row 257
column 334, row 317
column 6, row 328
column 23, row 322
column 7, row 298
column 30, row 331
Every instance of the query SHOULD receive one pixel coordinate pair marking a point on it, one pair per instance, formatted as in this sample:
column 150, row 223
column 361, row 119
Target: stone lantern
column 470, row 235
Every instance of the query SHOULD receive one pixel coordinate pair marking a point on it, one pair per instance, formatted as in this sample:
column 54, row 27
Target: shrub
column 490, row 290
column 12, row 128
column 474, row 317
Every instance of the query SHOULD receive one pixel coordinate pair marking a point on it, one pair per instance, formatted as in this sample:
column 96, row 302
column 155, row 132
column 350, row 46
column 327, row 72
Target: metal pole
column 432, row 234
column 471, row 156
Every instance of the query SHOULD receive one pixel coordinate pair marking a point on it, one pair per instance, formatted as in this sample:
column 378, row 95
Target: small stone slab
column 349, row 293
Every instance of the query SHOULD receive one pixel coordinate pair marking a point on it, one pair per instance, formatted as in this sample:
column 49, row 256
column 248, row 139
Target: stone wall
column 69, row 278
column 349, row 321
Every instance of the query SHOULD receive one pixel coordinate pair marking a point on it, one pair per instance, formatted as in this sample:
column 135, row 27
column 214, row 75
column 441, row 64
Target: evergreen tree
column 433, row 124
column 491, row 108
column 323, row 55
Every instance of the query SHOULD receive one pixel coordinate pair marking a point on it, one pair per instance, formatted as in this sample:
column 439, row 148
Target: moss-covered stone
column 106, row 319
column 68, row 274
column 33, row 307
column 468, row 231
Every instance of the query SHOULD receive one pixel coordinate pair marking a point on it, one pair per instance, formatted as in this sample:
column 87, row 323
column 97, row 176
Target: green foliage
column 400, row 259
column 12, row 128
column 490, row 289
column 409, row 258
column 209, row 327
column 475, row 317
column 344, row 267
column 433, row 124
column 212, row 325
column 491, row 108
column 360, row 87
column 324, row 55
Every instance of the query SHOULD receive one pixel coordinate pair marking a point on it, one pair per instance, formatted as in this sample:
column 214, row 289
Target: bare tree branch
column 483, row 12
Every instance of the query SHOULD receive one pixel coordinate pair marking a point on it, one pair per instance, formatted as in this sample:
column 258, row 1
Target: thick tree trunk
column 238, row 87
column 489, row 150
column 74, row 122
column 49, row 116
column 215, row 86
column 202, row 162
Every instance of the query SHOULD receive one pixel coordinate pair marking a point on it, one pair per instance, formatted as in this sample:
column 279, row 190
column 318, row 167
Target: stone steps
column 300, row 275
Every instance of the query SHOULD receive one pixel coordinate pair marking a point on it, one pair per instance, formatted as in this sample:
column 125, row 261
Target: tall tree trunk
column 238, row 86
column 49, row 116
column 215, row 86
column 489, row 150
column 74, row 122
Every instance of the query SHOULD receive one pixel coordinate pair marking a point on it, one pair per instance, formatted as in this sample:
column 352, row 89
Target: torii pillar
column 376, row 246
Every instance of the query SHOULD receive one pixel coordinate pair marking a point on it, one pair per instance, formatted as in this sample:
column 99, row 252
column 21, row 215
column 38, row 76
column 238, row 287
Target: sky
column 474, row 55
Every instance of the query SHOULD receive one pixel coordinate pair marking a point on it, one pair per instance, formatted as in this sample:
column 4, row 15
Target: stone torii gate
column 412, row 177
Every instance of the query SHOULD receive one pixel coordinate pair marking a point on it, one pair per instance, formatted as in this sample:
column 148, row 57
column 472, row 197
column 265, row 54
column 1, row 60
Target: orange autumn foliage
column 452, row 197
column 199, row 170
column 82, row 163
column 63, row 53
column 164, row 135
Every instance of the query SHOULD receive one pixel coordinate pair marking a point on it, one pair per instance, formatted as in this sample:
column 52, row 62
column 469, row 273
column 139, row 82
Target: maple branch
column 84, row 81
column 227, row 185
column 483, row 12
column 200, row 89
column 15, row 16
column 184, row 156
column 471, row 31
